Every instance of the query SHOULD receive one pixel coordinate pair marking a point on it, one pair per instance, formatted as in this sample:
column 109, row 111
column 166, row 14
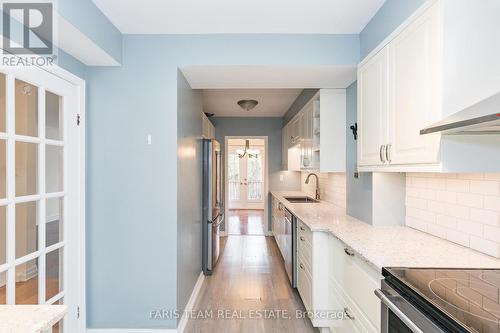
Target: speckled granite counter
column 29, row 318
column 392, row 246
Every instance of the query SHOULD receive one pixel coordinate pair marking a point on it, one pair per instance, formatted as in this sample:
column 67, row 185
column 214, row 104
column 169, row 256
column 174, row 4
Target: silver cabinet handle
column 348, row 314
column 302, row 238
column 388, row 152
column 349, row 252
column 381, row 153
column 387, row 302
column 301, row 266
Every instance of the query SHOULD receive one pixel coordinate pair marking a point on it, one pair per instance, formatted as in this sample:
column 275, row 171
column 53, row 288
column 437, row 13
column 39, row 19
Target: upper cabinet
column 372, row 109
column 440, row 61
column 398, row 95
column 315, row 138
column 208, row 129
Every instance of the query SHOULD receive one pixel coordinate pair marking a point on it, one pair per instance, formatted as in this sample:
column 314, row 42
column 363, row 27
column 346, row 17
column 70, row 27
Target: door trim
column 80, row 87
column 266, row 179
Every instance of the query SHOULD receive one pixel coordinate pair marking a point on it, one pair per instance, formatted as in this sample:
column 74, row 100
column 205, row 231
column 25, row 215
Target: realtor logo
column 28, row 28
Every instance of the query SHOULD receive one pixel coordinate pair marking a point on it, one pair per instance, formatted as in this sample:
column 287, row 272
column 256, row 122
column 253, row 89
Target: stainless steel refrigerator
column 212, row 203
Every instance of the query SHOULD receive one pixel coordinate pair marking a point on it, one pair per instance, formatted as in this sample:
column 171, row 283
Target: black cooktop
column 467, row 299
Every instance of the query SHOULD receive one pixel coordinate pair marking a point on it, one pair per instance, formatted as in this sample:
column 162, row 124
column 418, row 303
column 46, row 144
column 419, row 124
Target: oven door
column 400, row 316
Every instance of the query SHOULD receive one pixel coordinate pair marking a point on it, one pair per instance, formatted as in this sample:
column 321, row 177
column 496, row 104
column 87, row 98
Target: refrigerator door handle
column 218, row 220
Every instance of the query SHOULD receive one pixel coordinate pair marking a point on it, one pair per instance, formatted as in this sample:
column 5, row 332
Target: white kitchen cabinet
column 284, row 147
column 398, row 95
column 332, row 277
column 208, row 129
column 414, row 92
column 312, row 277
column 352, row 286
column 372, row 109
column 317, row 134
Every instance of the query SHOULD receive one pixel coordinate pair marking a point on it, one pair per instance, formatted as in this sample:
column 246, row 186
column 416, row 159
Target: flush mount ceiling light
column 247, row 104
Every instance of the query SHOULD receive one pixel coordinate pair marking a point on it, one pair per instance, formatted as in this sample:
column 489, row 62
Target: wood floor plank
column 249, row 279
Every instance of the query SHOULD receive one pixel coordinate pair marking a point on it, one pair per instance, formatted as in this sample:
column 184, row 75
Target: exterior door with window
column 39, row 192
column 246, row 178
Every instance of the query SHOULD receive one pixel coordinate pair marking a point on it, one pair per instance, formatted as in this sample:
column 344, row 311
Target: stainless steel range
column 440, row 300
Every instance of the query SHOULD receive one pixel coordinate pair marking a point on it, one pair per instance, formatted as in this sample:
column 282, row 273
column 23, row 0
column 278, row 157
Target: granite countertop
column 30, row 318
column 387, row 246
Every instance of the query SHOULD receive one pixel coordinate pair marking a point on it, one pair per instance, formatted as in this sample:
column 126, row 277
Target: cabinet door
column 306, row 138
column 372, row 109
column 414, row 83
column 284, row 147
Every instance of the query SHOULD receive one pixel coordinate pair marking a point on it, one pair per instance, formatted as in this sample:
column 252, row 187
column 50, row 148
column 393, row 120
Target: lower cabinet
column 333, row 282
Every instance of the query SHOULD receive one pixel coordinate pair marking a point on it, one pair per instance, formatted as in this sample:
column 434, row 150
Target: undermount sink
column 301, row 200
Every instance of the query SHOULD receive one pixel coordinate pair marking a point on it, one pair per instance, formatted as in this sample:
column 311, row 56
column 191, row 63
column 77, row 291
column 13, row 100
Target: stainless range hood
column 480, row 118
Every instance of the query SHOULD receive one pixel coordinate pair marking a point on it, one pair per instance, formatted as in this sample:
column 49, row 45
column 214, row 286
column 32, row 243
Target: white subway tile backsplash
column 436, row 230
column 416, row 202
column 462, row 208
column 486, row 187
column 492, row 203
column 458, row 237
column 457, row 210
column 457, row 185
column 446, row 221
column 485, row 246
column 485, row 216
column 470, row 200
column 416, row 224
column 492, row 233
column 470, row 228
column 446, row 196
column 332, row 187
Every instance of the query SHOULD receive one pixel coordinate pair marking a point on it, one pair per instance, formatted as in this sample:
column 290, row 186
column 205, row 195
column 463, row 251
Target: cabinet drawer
column 305, row 252
column 304, row 231
column 357, row 280
column 304, row 284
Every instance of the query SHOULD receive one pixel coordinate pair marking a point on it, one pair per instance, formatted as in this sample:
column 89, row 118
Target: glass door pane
column 3, row 103
column 234, row 176
column 27, row 282
column 255, row 176
column 26, row 109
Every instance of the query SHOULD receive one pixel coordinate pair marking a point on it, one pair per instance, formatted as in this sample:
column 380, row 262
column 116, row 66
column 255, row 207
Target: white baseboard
column 190, row 304
column 130, row 330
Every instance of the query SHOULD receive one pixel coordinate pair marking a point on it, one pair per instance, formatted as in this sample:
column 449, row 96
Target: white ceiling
column 269, row 77
column 240, row 16
column 272, row 102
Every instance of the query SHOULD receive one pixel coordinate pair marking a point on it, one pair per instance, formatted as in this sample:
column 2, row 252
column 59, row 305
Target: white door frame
column 266, row 179
column 79, row 85
column 244, row 202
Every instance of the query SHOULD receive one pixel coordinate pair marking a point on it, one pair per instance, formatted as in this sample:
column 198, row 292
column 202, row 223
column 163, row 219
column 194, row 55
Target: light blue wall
column 297, row 105
column 131, row 186
column 387, row 19
column 359, row 190
column 71, row 64
column 87, row 18
column 189, row 129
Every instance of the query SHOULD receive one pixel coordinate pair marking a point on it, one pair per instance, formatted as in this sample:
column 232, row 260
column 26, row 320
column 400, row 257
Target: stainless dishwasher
column 289, row 246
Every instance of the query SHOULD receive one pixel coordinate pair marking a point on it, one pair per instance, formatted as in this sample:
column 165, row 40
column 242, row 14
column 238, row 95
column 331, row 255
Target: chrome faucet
column 318, row 196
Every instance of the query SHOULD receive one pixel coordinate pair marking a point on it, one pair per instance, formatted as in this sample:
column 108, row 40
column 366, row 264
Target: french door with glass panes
column 246, row 178
column 39, row 177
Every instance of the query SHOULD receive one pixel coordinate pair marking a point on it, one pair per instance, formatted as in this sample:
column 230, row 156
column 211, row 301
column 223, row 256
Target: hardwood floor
column 246, row 222
column 249, row 279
